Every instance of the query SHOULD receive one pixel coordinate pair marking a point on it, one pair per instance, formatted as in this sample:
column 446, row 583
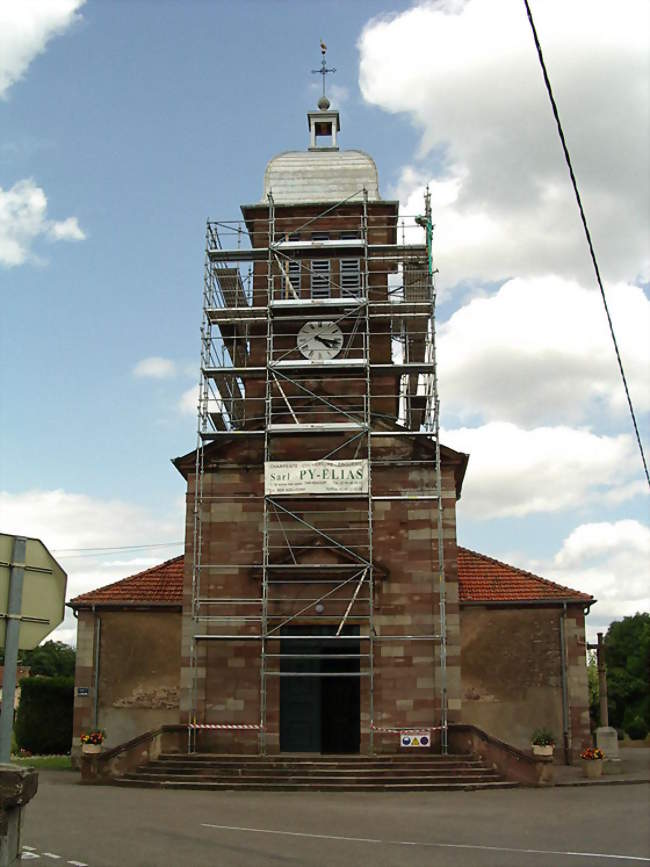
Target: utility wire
column 587, row 233
column 116, row 548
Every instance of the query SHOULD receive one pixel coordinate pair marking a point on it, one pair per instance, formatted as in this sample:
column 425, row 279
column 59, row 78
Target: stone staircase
column 394, row 773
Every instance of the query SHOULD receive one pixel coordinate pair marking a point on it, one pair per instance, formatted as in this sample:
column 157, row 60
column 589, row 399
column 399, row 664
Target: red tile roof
column 480, row 579
column 483, row 579
column 161, row 585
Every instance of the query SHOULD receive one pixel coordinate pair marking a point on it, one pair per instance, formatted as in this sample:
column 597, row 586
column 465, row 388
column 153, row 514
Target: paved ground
column 634, row 767
column 115, row 827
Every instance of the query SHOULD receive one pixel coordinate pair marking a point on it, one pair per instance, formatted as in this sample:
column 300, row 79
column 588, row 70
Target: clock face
column 319, row 341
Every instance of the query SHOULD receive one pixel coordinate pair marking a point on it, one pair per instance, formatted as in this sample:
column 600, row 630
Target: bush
column 543, row 738
column 637, row 729
column 44, row 718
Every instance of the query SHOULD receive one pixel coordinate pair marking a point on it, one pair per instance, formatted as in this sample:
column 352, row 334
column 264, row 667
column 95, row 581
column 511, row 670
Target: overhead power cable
column 567, row 157
column 116, row 548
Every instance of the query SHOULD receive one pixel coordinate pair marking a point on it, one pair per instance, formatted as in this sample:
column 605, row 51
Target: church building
column 323, row 604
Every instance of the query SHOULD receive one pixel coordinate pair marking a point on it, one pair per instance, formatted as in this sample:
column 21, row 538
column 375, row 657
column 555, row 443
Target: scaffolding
column 318, row 338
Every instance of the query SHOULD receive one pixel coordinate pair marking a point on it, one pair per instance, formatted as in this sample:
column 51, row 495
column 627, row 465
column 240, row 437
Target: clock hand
column 329, row 343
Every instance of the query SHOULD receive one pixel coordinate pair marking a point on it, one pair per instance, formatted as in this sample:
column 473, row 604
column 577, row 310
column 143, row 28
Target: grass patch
column 50, row 763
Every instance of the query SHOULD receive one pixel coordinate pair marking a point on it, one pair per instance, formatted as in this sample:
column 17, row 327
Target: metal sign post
column 14, row 605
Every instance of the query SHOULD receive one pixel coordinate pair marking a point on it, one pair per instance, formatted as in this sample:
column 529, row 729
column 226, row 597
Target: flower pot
column 592, row 768
column 543, row 749
column 91, row 749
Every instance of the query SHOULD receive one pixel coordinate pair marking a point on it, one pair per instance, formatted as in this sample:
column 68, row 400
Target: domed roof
column 320, row 175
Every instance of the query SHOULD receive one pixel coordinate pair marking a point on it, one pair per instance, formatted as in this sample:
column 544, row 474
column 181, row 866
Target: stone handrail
column 117, row 761
column 512, row 763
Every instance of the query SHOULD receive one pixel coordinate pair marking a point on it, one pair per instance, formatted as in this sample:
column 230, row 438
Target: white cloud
column 467, row 75
column 516, row 472
column 155, row 367
column 66, row 230
column 64, row 521
column 26, row 26
column 189, row 401
column 539, row 350
column 612, row 562
column 23, row 219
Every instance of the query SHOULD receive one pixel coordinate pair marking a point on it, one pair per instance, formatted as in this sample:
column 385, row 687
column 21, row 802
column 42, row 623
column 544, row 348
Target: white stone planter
column 91, row 749
column 543, row 750
column 592, row 768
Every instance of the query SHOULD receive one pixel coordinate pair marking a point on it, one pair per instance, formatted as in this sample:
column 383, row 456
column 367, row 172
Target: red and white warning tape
column 224, row 726
column 406, row 730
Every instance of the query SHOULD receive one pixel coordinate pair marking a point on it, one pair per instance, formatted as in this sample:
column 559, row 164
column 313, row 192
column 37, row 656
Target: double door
column 320, row 694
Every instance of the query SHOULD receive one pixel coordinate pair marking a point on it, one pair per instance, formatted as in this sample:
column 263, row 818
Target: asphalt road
column 113, row 827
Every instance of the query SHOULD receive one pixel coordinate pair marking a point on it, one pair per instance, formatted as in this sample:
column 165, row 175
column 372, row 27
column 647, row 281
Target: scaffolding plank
column 261, row 254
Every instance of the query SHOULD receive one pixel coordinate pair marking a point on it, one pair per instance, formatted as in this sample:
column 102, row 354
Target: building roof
column 484, row 580
column 297, row 177
column 481, row 580
column 160, row 586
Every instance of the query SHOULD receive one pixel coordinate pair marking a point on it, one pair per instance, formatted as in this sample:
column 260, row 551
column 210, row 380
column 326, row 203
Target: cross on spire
column 323, row 66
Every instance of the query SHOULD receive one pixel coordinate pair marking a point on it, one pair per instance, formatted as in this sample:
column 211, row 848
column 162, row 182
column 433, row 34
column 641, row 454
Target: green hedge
column 44, row 718
column 637, row 729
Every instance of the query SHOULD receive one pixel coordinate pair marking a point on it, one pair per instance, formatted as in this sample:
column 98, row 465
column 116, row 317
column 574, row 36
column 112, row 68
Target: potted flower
column 543, row 742
column 592, row 762
column 91, row 741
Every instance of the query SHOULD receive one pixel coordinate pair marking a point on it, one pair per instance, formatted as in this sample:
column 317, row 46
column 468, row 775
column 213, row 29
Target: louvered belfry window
column 320, row 271
column 350, row 277
column 320, row 278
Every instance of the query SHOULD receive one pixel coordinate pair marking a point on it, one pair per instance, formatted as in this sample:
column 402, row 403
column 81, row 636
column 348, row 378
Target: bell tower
column 317, row 462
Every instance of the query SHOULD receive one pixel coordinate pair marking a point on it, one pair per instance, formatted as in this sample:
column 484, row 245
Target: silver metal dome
column 296, row 177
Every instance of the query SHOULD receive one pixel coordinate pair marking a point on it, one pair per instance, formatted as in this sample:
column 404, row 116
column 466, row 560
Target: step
column 235, row 758
column 138, row 782
column 318, row 781
column 315, row 766
column 192, row 763
column 307, row 772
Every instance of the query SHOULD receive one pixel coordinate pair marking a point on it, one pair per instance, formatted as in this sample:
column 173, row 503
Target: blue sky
column 124, row 125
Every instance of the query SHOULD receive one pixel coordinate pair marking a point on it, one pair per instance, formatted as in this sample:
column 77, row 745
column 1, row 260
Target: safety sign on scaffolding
column 316, row 477
column 415, row 739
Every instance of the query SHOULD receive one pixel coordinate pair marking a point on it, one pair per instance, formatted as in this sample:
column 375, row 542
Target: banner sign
column 415, row 739
column 316, row 477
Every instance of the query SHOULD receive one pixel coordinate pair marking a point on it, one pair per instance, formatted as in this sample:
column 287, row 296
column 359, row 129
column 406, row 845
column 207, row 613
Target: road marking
column 51, row 855
column 29, row 848
column 78, row 863
column 28, row 856
column 429, row 845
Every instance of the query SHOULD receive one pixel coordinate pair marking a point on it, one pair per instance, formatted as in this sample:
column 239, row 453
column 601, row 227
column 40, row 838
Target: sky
column 125, row 125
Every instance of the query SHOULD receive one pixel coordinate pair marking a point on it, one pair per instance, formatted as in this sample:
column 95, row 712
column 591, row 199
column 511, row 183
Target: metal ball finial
column 323, row 103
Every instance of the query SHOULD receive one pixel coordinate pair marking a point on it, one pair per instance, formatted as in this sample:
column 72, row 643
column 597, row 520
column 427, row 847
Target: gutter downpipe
column 98, row 635
column 565, row 698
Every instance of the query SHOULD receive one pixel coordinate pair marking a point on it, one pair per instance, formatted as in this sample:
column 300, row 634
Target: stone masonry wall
column 139, row 664
column 512, row 672
column 406, row 602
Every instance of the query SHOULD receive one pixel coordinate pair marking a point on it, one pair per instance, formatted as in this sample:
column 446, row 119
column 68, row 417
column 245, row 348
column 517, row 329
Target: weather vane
column 323, row 67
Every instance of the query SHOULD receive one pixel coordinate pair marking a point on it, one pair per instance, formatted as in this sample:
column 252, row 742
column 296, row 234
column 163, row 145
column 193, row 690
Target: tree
column 627, row 654
column 52, row 659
